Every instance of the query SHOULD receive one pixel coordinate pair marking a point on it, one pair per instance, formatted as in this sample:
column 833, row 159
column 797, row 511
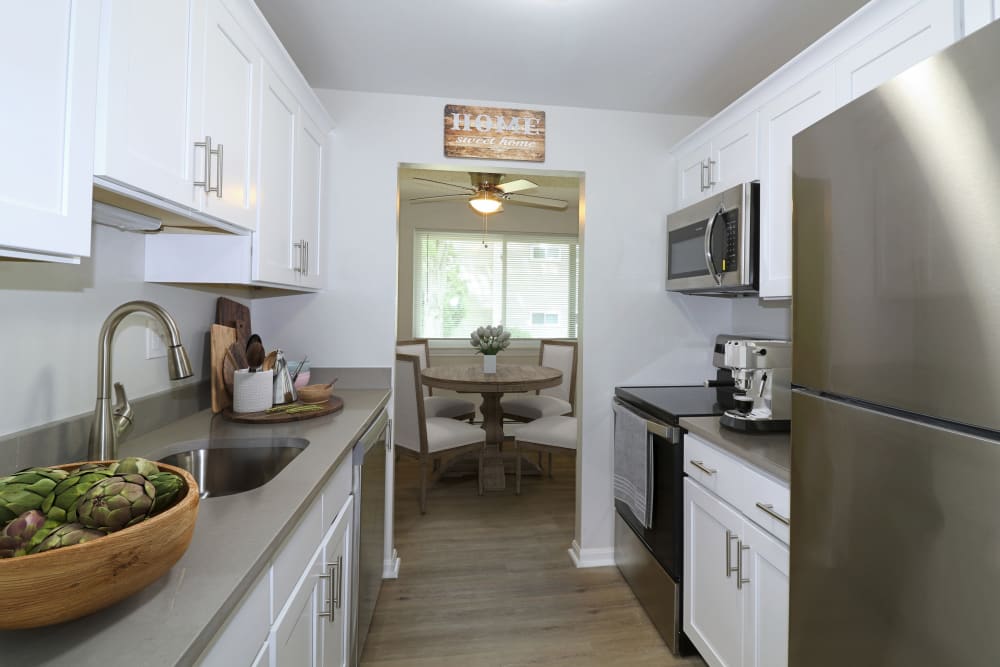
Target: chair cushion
column 552, row 431
column 535, row 407
column 447, row 406
column 444, row 434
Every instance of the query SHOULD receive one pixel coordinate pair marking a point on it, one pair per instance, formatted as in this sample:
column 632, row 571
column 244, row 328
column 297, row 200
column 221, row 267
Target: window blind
column 527, row 282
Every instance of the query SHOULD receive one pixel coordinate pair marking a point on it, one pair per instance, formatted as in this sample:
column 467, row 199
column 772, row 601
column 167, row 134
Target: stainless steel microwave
column 713, row 246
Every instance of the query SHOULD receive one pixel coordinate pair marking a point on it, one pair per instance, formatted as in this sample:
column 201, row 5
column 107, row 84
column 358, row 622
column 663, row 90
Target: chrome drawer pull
column 769, row 510
column 730, row 536
column 700, row 465
column 739, row 566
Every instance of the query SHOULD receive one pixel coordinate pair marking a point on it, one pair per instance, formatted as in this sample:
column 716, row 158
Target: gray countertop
column 770, row 453
column 174, row 619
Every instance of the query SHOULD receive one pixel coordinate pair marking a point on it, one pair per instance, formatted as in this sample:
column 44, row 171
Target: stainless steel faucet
column 110, row 423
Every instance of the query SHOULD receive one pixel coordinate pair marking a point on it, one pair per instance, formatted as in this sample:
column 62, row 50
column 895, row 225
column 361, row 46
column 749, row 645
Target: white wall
column 632, row 330
column 765, row 318
column 52, row 315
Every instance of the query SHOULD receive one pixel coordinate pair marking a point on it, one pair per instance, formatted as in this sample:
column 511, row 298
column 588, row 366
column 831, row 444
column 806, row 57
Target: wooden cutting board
column 234, row 314
column 221, row 338
column 333, row 405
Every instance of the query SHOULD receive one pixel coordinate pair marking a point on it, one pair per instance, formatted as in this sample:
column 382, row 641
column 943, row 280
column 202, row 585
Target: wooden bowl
column 62, row 584
column 315, row 393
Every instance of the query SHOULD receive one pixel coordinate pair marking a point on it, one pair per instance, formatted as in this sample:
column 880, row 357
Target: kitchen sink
column 223, row 467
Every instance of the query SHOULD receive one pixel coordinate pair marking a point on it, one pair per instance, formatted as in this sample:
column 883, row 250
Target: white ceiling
column 661, row 56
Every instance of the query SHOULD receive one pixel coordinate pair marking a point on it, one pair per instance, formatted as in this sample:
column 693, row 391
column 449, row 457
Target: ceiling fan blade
column 451, row 185
column 516, row 186
column 542, row 202
column 424, row 200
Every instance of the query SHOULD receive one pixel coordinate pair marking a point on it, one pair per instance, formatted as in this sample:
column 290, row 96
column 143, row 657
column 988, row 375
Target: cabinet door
column 765, row 599
column 263, row 658
column 921, row 31
column 692, row 184
column 274, row 258
column 294, row 636
column 308, row 199
column 335, row 628
column 147, row 88
column 790, row 112
column 231, row 76
column 49, row 52
column 712, row 605
column 734, row 154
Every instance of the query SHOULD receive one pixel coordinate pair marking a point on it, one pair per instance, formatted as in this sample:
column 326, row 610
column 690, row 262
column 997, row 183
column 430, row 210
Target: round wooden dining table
column 492, row 386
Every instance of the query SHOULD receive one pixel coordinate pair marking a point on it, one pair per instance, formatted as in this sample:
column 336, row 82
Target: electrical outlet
column 155, row 349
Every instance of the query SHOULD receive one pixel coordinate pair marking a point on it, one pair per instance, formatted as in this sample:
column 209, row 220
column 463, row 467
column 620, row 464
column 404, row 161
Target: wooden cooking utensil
column 269, row 361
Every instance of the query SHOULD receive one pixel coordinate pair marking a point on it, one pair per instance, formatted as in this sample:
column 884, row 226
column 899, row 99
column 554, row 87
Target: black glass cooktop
column 671, row 403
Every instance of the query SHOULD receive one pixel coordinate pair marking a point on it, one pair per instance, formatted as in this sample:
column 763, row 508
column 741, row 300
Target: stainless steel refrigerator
column 895, row 535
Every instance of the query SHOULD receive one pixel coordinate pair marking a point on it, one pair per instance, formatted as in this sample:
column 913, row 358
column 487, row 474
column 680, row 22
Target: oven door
column 664, row 538
column 712, row 245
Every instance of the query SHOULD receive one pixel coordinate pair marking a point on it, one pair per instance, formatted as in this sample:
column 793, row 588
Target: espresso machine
column 762, row 375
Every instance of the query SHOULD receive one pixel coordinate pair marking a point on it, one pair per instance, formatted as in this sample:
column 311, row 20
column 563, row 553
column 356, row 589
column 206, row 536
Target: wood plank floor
column 486, row 581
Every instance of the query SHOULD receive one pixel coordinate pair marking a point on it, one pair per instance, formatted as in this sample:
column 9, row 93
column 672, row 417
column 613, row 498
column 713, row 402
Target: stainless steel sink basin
column 225, row 467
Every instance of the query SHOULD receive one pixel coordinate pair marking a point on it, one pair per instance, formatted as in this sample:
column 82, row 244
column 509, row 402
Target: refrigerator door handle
column 709, row 259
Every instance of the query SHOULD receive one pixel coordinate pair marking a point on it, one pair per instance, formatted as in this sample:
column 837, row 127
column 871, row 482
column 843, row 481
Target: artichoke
column 168, row 488
column 116, row 502
column 26, row 490
column 87, row 467
column 136, row 465
column 36, row 539
column 66, row 535
column 62, row 502
column 18, row 532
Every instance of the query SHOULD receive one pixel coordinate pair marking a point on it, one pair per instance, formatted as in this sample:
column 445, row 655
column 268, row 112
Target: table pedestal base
column 493, row 475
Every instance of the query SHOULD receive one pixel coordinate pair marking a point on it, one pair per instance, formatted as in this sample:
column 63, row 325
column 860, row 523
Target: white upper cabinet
column 49, row 55
column 276, row 258
column 921, row 31
column 780, row 119
column 728, row 159
column 309, row 147
column 230, row 75
column 148, row 83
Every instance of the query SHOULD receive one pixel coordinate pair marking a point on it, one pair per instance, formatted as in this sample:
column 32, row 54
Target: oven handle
column 709, row 260
column 671, row 434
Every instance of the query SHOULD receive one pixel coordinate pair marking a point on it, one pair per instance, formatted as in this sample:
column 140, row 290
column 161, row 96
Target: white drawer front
column 766, row 502
column 294, row 554
column 713, row 469
column 336, row 490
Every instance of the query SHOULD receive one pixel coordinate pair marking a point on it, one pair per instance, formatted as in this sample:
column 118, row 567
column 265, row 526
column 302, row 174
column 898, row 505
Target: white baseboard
column 591, row 557
column 390, row 567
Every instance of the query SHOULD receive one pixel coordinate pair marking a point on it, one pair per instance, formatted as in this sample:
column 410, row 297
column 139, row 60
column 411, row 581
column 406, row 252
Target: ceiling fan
column 488, row 195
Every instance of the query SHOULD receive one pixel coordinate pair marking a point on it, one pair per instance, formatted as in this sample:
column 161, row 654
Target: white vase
column 489, row 363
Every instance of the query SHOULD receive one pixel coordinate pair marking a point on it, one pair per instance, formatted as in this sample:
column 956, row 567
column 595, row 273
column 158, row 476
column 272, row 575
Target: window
column 527, row 282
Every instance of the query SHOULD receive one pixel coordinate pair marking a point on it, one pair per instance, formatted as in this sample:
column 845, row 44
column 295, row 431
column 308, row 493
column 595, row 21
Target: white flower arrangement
column 490, row 339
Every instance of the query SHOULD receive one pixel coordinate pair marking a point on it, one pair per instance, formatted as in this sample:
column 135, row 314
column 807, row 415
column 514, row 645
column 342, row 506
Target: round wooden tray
column 67, row 583
column 335, row 404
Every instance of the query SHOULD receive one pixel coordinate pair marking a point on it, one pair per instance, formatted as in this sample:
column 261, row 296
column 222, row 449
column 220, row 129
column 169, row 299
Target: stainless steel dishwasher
column 369, row 518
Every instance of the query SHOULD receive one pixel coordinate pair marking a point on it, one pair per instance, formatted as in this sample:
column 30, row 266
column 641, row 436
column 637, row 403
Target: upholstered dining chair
column 436, row 406
column 548, row 434
column 551, row 402
column 428, row 439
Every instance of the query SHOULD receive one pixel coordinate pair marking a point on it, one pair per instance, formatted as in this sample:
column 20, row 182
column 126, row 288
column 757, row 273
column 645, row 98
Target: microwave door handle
column 709, row 260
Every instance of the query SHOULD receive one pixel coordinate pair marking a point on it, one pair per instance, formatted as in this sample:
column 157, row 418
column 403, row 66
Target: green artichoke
column 26, row 490
column 88, row 467
column 36, row 539
column 66, row 535
column 19, row 531
column 136, row 465
column 116, row 502
column 62, row 502
column 168, row 488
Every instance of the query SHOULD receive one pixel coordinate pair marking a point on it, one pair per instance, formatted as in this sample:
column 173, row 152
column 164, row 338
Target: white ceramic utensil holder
column 252, row 392
column 489, row 363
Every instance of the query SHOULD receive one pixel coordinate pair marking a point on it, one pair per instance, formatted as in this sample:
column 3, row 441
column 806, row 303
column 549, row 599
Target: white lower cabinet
column 311, row 629
column 736, row 591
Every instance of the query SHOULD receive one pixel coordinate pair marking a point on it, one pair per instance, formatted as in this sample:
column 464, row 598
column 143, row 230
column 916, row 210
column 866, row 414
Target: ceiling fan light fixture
column 486, row 203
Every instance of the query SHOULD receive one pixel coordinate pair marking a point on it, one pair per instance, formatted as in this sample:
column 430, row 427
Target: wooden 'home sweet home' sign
column 498, row 134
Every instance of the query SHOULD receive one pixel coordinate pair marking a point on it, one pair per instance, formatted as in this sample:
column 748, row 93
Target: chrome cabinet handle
column 338, row 591
column 700, row 465
column 730, row 536
column 332, row 601
column 305, row 269
column 739, row 565
column 207, row 145
column 768, row 509
column 702, row 182
column 708, row 168
column 709, row 260
column 218, row 167
column 299, row 266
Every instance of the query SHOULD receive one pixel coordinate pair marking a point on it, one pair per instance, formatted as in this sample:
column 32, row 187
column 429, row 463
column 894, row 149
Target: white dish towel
column 633, row 465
